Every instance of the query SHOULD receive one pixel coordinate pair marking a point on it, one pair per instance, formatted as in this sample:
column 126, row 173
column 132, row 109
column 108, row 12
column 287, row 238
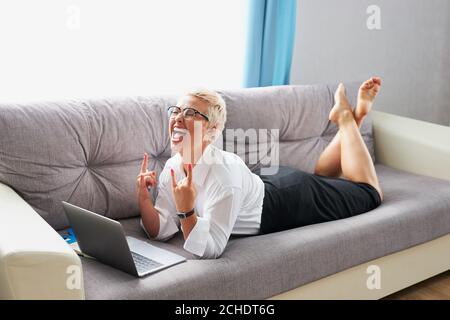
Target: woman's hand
column 184, row 192
column 144, row 180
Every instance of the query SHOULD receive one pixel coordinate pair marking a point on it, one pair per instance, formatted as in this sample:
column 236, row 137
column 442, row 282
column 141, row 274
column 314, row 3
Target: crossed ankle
column 346, row 115
column 359, row 120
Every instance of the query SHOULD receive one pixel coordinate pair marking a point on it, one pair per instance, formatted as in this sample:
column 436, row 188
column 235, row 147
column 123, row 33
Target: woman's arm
column 188, row 224
column 150, row 217
column 209, row 236
column 157, row 219
column 206, row 236
column 184, row 195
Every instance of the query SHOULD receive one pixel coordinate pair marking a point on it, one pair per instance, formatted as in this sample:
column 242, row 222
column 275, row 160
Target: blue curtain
column 270, row 42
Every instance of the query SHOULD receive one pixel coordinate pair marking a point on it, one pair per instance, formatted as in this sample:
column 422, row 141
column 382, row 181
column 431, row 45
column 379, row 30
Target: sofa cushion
column 296, row 115
column 85, row 152
column 89, row 152
column 416, row 209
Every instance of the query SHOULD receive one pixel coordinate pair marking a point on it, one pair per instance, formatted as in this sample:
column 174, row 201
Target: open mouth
column 178, row 134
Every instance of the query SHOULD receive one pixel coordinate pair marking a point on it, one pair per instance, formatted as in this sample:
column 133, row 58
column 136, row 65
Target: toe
column 368, row 84
column 340, row 92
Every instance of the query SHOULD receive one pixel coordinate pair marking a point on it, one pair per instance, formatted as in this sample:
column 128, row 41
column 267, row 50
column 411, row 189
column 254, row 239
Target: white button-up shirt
column 229, row 201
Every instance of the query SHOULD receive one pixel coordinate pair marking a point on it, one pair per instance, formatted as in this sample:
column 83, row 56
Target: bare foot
column 341, row 105
column 366, row 94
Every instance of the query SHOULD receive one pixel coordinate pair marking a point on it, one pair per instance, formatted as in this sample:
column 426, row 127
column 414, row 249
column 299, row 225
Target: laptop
column 104, row 239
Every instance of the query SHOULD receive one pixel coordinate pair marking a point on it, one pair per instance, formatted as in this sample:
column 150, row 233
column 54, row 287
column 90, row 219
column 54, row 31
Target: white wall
column 411, row 51
column 60, row 49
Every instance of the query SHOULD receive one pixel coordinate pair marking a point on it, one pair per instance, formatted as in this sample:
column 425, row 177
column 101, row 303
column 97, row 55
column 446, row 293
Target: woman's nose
column 179, row 117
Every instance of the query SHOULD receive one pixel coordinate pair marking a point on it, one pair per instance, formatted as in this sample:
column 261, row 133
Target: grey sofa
column 89, row 153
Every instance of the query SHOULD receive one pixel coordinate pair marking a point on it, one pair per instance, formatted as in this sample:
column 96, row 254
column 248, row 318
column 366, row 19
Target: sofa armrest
column 35, row 262
column 412, row 145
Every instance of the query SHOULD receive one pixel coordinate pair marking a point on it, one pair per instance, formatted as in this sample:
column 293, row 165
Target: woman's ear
column 211, row 133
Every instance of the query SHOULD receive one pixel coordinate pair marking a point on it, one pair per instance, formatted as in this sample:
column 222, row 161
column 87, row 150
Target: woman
column 212, row 194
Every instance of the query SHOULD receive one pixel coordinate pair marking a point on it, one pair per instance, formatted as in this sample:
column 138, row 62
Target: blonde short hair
column 217, row 111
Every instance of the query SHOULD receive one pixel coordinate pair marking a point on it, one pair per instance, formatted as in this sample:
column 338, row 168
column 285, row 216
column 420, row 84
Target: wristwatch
column 184, row 215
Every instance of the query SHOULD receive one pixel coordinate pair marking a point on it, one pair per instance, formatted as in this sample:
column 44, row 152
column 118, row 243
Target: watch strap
column 184, row 215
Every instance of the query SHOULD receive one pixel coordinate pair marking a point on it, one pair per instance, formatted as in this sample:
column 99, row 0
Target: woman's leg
column 356, row 162
column 329, row 163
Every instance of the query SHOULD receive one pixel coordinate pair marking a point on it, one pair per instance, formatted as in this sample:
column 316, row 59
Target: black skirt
column 294, row 198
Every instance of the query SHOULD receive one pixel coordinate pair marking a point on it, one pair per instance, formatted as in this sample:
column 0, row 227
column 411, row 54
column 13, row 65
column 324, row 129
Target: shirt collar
column 201, row 169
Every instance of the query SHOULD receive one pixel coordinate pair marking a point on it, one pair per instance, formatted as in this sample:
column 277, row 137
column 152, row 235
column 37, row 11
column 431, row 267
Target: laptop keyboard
column 144, row 264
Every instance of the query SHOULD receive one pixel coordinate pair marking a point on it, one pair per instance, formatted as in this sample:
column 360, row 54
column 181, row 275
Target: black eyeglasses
column 188, row 113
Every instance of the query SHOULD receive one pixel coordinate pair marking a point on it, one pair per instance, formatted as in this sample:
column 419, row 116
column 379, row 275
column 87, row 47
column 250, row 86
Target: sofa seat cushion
column 416, row 209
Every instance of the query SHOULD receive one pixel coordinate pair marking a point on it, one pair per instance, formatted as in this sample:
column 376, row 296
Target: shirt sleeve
column 212, row 230
column 164, row 204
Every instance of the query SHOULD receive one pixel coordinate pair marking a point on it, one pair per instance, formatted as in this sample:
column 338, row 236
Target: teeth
column 178, row 133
